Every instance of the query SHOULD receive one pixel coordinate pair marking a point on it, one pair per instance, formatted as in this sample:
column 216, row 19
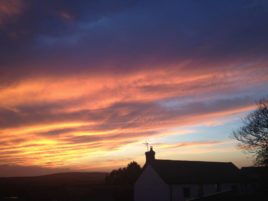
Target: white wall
column 208, row 189
column 150, row 187
column 226, row 187
column 177, row 191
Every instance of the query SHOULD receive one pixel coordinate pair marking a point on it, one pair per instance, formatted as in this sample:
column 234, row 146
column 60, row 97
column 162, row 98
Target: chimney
column 150, row 155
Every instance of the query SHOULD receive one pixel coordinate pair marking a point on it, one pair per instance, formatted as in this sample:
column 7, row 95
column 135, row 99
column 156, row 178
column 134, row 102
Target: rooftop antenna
column 147, row 145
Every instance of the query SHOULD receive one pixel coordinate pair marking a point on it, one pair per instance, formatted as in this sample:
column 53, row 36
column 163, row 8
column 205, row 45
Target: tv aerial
column 147, row 144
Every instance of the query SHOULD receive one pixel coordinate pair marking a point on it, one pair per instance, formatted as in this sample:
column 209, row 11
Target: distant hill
column 69, row 186
column 68, row 178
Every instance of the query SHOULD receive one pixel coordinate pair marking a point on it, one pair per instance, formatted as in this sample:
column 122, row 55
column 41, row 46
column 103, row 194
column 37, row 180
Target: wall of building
column 178, row 195
column 195, row 190
column 210, row 189
column 150, row 187
column 228, row 187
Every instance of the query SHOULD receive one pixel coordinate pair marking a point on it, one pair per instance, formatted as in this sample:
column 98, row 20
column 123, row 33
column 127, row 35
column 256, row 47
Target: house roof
column 260, row 171
column 177, row 172
column 255, row 173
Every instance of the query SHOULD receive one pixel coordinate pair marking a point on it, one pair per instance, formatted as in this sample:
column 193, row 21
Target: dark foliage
column 127, row 175
column 253, row 135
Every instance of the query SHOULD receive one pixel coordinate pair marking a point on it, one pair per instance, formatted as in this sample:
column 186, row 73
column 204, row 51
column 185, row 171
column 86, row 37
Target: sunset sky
column 84, row 83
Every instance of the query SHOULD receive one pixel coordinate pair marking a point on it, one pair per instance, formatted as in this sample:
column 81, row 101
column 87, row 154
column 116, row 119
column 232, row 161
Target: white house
column 167, row 180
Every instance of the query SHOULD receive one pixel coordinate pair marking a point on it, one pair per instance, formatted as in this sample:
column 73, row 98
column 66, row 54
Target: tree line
column 126, row 175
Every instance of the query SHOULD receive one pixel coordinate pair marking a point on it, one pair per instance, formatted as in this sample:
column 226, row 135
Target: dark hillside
column 62, row 186
column 73, row 178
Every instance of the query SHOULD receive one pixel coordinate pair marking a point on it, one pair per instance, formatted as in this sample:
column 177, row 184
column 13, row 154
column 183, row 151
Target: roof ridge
column 193, row 161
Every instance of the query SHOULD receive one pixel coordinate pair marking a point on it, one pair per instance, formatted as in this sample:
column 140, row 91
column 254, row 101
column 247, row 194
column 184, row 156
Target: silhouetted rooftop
column 175, row 172
column 255, row 173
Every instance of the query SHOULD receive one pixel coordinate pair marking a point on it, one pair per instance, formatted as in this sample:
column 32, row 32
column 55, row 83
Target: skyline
column 83, row 85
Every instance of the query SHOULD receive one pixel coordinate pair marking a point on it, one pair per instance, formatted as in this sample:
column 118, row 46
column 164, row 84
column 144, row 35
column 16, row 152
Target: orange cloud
column 68, row 120
column 187, row 144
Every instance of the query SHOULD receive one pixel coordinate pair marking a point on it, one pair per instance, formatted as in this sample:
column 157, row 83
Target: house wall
column 150, row 187
column 177, row 191
column 208, row 189
column 228, row 187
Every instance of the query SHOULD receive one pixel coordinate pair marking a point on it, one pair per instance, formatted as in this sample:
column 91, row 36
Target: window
column 186, row 192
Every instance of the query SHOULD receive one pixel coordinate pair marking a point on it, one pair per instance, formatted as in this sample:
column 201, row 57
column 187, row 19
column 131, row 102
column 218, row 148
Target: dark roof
column 176, row 172
column 254, row 173
column 255, row 170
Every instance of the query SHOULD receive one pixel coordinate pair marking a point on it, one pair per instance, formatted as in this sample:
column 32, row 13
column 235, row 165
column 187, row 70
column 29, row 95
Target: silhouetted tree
column 253, row 135
column 126, row 175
